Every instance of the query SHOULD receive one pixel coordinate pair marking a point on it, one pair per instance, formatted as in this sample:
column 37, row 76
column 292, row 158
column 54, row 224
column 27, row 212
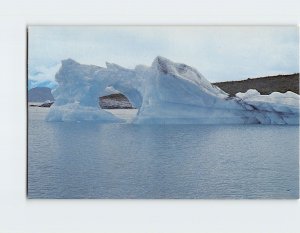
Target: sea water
column 94, row 160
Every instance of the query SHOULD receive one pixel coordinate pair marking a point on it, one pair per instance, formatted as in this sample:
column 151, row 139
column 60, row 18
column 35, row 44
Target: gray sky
column 219, row 53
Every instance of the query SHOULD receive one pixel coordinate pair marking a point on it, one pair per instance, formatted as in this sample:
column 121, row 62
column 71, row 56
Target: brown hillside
column 265, row 85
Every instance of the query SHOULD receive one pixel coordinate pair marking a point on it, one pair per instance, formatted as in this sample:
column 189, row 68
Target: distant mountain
column 40, row 94
column 264, row 85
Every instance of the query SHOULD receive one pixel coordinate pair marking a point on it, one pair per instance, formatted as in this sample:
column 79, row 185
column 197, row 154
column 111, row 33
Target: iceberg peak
column 69, row 62
column 113, row 66
column 166, row 66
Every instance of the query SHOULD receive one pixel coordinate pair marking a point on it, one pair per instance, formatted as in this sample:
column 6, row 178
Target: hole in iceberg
column 118, row 104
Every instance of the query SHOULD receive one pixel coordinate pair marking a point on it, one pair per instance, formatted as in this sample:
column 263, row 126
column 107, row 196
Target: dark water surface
column 93, row 160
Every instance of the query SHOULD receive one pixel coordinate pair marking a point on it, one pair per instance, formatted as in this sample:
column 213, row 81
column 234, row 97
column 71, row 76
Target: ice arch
column 80, row 87
column 165, row 93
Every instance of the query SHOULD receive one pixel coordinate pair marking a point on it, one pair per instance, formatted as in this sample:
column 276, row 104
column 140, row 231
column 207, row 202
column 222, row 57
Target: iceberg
column 164, row 93
column 277, row 108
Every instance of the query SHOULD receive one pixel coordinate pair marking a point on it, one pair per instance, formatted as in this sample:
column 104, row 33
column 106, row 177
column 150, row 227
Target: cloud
column 42, row 76
column 219, row 53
